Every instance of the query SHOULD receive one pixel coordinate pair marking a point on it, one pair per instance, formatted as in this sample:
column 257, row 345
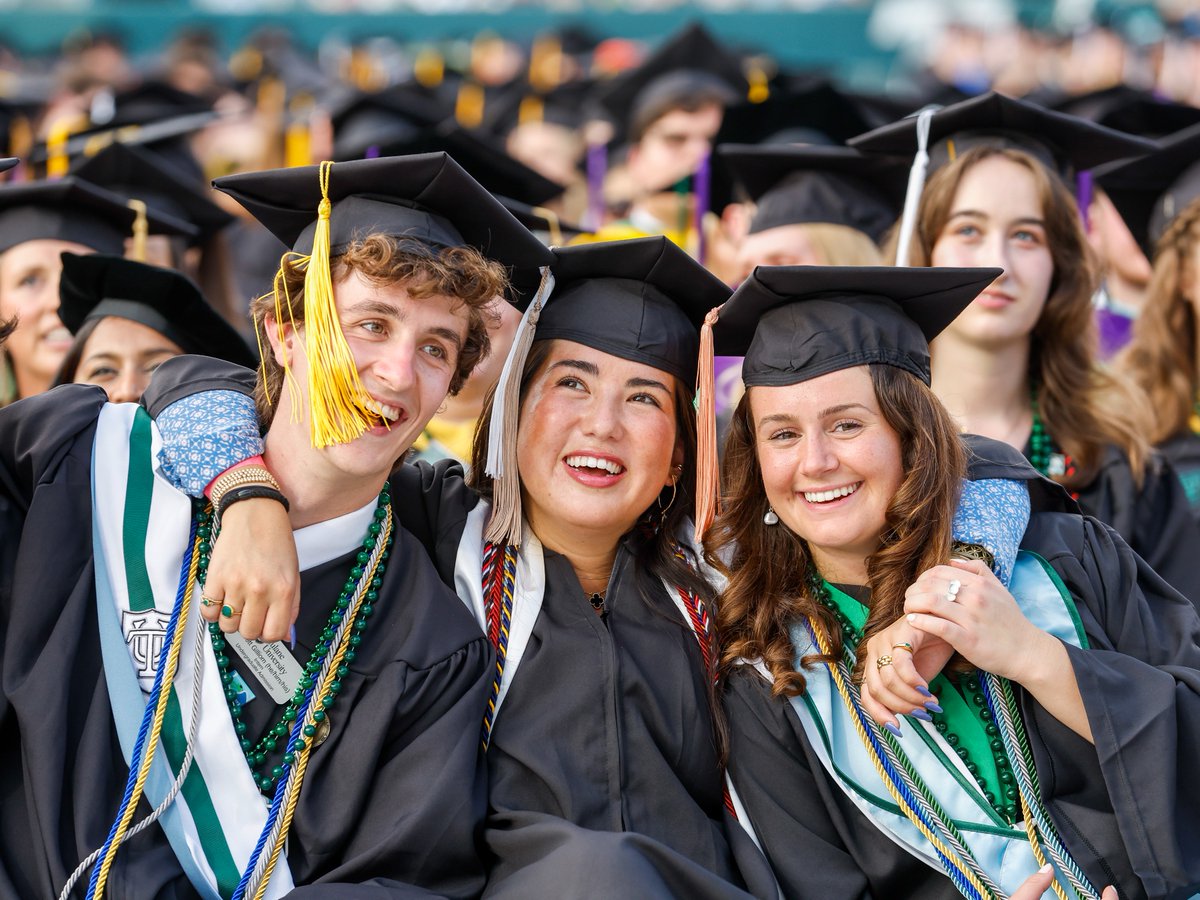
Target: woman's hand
column 966, row 606
column 254, row 572
column 900, row 686
column 1039, row 882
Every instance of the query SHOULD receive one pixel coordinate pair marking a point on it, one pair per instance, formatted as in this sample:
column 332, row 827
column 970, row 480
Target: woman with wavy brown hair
column 1020, row 364
column 1159, row 197
column 922, row 724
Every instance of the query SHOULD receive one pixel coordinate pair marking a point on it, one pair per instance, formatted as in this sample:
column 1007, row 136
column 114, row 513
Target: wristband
column 247, row 492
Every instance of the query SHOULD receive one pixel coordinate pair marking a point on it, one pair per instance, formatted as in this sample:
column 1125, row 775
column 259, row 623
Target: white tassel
column 916, row 184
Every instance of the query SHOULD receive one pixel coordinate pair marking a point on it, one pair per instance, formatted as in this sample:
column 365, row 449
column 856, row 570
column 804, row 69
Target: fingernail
column 1046, row 869
column 932, row 706
column 921, row 714
column 893, row 729
column 912, row 617
column 923, row 691
column 292, row 639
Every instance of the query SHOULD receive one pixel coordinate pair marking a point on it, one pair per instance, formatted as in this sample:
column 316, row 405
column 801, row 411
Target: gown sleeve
column 1140, row 683
column 417, row 832
column 432, row 500
column 772, row 772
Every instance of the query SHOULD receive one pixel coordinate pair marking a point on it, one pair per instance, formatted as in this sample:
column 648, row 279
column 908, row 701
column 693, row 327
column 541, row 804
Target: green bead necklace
column 265, row 767
column 1006, row 806
column 1043, row 454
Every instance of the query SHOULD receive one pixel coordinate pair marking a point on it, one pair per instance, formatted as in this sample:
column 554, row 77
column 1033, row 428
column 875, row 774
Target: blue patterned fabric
column 205, row 434
column 994, row 512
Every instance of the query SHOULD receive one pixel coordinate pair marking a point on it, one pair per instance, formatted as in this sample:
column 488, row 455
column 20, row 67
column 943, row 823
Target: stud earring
column 770, row 518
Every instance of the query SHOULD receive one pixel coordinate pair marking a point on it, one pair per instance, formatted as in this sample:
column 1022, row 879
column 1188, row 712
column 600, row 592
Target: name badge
column 274, row 667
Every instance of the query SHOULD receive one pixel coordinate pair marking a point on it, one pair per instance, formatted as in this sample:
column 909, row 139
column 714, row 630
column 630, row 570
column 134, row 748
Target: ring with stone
column 207, row 601
column 903, row 645
column 953, row 589
column 885, row 660
column 229, row 612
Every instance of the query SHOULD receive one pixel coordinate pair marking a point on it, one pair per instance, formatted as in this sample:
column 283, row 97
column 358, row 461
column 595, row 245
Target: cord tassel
column 916, row 185
column 707, row 476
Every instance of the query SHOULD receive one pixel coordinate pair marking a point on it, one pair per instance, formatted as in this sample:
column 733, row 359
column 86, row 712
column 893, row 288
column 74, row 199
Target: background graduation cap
column 1130, row 110
column 570, row 105
column 794, row 185
column 643, row 300
column 1149, row 192
column 70, row 209
column 798, row 110
column 7, row 163
column 319, row 210
column 1065, row 144
column 136, row 173
column 96, row 286
column 543, row 222
column 796, row 323
column 397, row 123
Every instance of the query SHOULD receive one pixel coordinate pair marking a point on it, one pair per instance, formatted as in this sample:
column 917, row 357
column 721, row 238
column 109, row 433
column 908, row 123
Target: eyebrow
column 979, row 214
column 381, row 308
column 143, row 354
column 589, row 368
column 824, row 414
column 647, row 383
column 448, row 334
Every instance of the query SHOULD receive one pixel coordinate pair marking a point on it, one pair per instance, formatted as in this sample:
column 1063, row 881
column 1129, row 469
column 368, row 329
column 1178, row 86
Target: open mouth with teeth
column 390, row 415
column 832, row 494
column 594, row 465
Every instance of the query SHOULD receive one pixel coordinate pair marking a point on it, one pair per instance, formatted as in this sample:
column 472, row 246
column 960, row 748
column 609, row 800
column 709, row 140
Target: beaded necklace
column 1043, row 454
column 1005, row 805
column 269, row 761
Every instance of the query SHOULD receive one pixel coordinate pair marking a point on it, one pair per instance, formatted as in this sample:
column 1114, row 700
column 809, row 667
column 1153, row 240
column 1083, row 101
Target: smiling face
column 29, row 274
column 120, row 355
column 406, row 352
column 996, row 219
column 596, row 441
column 831, row 464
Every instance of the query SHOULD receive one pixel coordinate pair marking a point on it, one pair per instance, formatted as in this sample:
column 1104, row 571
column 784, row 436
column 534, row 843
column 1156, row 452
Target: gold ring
column 885, row 660
column 903, row 645
column 229, row 612
column 207, row 601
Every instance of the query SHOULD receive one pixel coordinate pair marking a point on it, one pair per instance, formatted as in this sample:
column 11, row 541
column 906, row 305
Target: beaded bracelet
column 248, row 492
column 240, row 477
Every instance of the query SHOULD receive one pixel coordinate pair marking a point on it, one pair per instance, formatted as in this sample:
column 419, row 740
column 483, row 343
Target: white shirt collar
column 319, row 543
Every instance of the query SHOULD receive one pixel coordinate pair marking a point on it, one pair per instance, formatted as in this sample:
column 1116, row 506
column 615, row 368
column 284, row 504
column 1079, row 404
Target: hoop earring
column 662, row 510
column 771, row 518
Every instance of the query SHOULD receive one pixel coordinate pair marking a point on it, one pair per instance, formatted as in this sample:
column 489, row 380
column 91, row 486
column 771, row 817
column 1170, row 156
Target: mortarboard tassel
column 702, row 192
column 58, row 163
column 297, row 140
column 468, row 105
column 916, row 184
column 141, row 230
column 335, row 393
column 707, row 476
column 553, row 224
column 505, row 524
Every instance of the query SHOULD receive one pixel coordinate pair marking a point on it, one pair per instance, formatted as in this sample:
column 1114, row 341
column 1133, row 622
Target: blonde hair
column 1161, row 357
column 841, row 245
column 1084, row 407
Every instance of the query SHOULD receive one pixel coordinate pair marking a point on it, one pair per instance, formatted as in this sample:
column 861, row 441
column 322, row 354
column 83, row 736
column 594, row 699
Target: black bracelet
column 249, row 492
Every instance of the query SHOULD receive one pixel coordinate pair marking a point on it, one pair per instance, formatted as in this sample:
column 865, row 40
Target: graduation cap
column 797, row 111
column 399, row 123
column 1149, row 192
column 796, row 323
column 70, row 209
column 542, row 221
column 1131, row 110
column 794, row 185
column 643, row 300
column 690, row 60
column 569, row 105
column 96, row 286
column 136, row 173
column 149, row 102
column 319, row 210
column 1065, row 144
column 7, row 163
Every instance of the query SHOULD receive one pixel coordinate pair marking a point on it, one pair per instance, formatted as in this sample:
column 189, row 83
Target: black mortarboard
column 542, row 221
column 150, row 101
column 428, row 197
column 690, row 51
column 139, row 174
column 96, row 286
column 797, row 111
column 1066, row 144
column 8, row 162
column 795, row 323
column 70, row 209
column 643, row 300
column 1151, row 191
column 566, row 104
column 794, row 185
column 1131, row 110
column 398, row 123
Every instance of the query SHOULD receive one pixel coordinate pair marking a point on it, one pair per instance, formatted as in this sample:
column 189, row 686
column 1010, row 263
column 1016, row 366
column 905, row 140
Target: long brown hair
column 1085, row 408
column 1161, row 357
column 769, row 566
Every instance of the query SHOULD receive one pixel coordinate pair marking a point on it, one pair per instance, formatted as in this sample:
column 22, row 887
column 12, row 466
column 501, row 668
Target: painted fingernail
column 923, row 691
column 921, row 714
column 1046, row 869
column 893, row 729
column 932, row 706
column 912, row 617
column 292, row 639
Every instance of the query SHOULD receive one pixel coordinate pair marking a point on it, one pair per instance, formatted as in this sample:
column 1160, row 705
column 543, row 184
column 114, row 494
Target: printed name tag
column 272, row 665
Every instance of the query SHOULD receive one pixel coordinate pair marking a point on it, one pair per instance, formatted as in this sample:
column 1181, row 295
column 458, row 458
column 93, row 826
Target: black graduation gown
column 1127, row 809
column 1183, row 453
column 604, row 778
column 393, row 800
column 1155, row 520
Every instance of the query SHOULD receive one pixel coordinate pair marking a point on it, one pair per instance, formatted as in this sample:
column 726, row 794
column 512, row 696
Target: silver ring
column 953, row 589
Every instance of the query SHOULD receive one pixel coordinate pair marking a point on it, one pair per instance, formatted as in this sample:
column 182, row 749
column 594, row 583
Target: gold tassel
column 505, row 524
column 707, row 476
column 336, row 396
column 554, row 226
column 297, row 142
column 468, row 105
column 141, row 230
column 532, row 109
column 58, row 162
column 429, row 68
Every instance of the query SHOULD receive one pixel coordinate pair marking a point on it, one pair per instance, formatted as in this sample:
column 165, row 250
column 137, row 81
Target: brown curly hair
column 459, row 272
column 1161, row 357
column 1085, row 408
column 769, row 567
